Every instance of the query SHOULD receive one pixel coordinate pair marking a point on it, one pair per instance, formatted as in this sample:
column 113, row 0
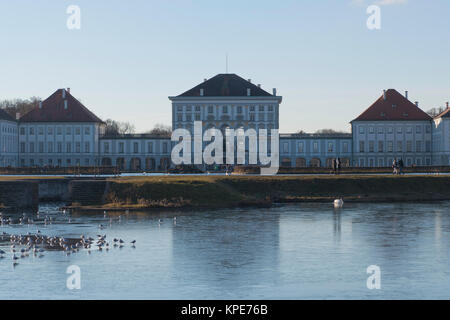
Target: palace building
column 61, row 131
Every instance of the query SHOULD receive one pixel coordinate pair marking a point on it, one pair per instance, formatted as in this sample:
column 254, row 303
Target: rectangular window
column 380, row 130
column 399, row 129
column 330, row 147
column 87, row 148
column 188, row 117
column 22, row 131
column 285, row 147
column 361, row 130
column 40, row 131
column 180, row 117
column 78, row 147
column 270, row 117
column 59, row 131
column 418, row 129
column 399, row 146
column 106, row 147
column 315, row 146
column 390, row 146
column 210, row 109
column 188, row 108
column 121, row 147
column 59, row 146
column 371, row 146
column 197, row 117
column 418, row 146
column 252, row 117
column 49, row 131
column 300, row 147
column 427, row 146
column 361, row 146
column 345, row 147
column 239, row 109
column 390, row 130
column 31, row 147
column 77, row 131
column 69, row 147
column 408, row 130
column 371, row 130
column 135, row 147
column 252, row 108
column 150, row 147
column 50, row 147
column 31, row 131
column 22, row 147
column 261, row 108
column 270, row 108
column 86, row 162
column 68, row 130
column 180, row 108
column 408, row 146
column 87, row 131
column 197, row 108
column 41, row 147
column 427, row 130
column 380, row 146
column 225, row 109
column 165, row 147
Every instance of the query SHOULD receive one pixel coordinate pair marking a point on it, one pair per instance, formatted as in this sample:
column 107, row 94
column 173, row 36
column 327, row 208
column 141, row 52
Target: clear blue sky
column 129, row 56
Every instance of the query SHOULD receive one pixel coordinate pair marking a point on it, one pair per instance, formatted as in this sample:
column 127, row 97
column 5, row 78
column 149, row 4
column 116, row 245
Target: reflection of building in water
column 237, row 248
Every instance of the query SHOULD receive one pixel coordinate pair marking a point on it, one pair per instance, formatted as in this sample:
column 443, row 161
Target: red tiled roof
column 226, row 84
column 395, row 107
column 53, row 110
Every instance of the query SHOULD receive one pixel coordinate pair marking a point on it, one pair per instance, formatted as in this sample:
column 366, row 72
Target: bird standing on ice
column 338, row 203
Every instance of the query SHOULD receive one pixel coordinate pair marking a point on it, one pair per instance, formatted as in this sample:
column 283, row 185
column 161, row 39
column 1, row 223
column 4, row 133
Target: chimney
column 384, row 94
column 63, row 93
column 259, row 85
column 202, row 92
column 40, row 104
column 17, row 115
column 204, row 80
column 248, row 92
column 250, row 80
column 417, row 103
column 406, row 94
column 65, row 104
column 274, row 90
column 68, row 90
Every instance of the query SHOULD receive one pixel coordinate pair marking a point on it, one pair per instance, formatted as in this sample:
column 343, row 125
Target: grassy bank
column 233, row 191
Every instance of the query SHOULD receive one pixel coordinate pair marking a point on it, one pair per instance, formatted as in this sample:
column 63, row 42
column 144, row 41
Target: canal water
column 301, row 251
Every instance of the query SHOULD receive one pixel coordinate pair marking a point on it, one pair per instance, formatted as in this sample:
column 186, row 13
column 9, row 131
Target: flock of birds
column 35, row 245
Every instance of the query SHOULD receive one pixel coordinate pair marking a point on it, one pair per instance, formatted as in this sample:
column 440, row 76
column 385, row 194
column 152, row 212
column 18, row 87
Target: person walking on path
column 333, row 165
column 338, row 165
column 395, row 166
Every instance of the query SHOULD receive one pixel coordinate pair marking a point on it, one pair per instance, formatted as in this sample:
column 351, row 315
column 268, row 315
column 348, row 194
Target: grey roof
column 226, row 85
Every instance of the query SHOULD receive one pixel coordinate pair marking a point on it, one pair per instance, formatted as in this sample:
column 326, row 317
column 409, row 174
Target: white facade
column 59, row 144
column 378, row 143
column 8, row 143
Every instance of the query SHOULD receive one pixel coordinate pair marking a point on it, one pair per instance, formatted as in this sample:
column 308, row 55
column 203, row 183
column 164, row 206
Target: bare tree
column 433, row 112
column 114, row 128
column 328, row 131
column 161, row 130
column 21, row 106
